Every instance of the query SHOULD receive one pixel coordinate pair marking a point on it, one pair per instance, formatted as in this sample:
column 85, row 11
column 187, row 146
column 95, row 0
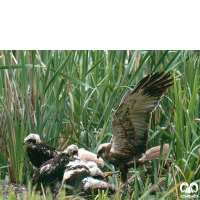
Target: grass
column 70, row 96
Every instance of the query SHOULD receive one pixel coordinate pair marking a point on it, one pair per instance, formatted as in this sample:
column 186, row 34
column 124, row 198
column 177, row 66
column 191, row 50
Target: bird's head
column 103, row 150
column 32, row 138
column 72, row 150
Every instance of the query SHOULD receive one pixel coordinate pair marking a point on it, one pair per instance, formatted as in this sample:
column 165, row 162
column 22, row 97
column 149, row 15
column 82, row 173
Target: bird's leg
column 132, row 177
column 106, row 174
column 124, row 171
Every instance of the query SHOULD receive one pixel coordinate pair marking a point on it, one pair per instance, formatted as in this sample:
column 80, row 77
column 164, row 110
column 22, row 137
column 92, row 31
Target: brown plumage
column 50, row 174
column 131, row 124
column 38, row 151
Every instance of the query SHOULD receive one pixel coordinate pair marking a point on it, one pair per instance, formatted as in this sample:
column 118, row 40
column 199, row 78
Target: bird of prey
column 74, row 173
column 38, row 151
column 85, row 165
column 83, row 176
column 50, row 174
column 89, row 156
column 131, row 124
column 89, row 183
column 91, row 167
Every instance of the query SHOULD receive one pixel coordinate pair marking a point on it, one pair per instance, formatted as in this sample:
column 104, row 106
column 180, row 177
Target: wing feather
column 131, row 122
column 51, row 169
column 44, row 152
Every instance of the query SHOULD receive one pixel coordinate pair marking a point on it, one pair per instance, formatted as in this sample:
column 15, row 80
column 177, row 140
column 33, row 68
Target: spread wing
column 131, row 122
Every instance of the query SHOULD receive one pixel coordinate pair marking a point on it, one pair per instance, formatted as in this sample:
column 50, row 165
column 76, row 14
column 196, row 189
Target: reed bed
column 70, row 96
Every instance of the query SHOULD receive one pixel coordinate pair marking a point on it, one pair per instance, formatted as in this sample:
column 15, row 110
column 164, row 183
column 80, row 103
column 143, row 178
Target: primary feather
column 131, row 122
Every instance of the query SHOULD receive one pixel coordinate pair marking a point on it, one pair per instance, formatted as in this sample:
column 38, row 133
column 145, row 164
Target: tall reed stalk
column 70, row 97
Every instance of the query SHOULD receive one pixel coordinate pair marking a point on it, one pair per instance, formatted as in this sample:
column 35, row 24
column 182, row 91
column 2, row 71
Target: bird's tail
column 154, row 153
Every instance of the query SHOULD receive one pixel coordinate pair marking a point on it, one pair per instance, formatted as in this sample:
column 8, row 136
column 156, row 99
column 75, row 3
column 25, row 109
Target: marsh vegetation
column 69, row 97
